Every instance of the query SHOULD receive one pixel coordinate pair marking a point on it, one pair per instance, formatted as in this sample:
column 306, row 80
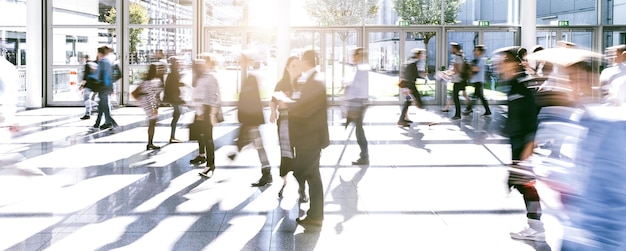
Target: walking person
column 286, row 87
column 149, row 100
column 415, row 69
column 458, row 81
column 206, row 102
column 357, row 98
column 250, row 115
column 105, row 79
column 308, row 129
column 478, row 79
column 88, row 85
column 520, row 127
column 172, row 95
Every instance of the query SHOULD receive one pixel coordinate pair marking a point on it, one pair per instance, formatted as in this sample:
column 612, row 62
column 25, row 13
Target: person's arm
column 312, row 99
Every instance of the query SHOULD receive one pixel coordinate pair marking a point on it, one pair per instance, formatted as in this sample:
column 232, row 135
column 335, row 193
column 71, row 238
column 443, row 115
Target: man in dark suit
column 308, row 128
column 414, row 70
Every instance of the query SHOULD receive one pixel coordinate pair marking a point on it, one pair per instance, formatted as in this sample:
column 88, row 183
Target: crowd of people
column 584, row 138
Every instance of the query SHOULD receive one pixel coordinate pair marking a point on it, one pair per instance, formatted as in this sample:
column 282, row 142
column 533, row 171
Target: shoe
column 105, row 126
column 408, row 121
column 404, row 124
column 175, row 141
column 208, row 171
column 95, row 126
column 467, row 112
column 361, row 161
column 486, row 114
column 232, row 156
column 152, row 147
column 445, row 110
column 456, row 117
column 280, row 193
column 308, row 222
column 529, row 234
column 265, row 179
column 85, row 117
column 198, row 160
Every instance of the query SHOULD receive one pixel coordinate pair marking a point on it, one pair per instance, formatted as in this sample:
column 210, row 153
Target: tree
column 427, row 12
column 342, row 12
column 138, row 15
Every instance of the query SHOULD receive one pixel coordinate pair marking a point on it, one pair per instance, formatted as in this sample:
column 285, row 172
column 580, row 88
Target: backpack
column 116, row 72
column 466, row 71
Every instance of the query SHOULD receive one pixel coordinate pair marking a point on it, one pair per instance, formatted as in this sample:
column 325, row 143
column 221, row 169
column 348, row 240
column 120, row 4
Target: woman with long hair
column 173, row 97
column 151, row 88
column 286, row 86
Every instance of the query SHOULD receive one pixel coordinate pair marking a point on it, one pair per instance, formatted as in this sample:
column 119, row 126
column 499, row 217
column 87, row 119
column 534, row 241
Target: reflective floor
column 436, row 185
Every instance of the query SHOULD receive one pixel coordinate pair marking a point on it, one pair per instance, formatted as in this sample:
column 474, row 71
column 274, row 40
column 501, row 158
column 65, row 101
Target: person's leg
column 360, row 138
column 101, row 105
column 455, row 97
column 403, row 114
column 151, row 127
column 307, row 169
column 104, row 101
column 175, row 117
column 468, row 102
column 210, row 153
column 266, row 175
column 480, row 94
column 87, row 102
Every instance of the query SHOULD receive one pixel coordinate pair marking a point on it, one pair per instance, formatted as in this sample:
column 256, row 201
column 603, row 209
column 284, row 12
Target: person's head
column 358, row 55
column 309, row 60
column 580, row 78
column 615, row 54
column 103, row 51
column 455, row 48
column 479, row 50
column 152, row 72
column 292, row 68
column 508, row 63
column 246, row 58
column 418, row 53
column 173, row 63
column 86, row 57
column 159, row 54
column 537, row 48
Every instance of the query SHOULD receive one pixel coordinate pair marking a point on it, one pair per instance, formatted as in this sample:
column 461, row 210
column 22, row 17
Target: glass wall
column 496, row 12
column 575, row 12
column 13, row 40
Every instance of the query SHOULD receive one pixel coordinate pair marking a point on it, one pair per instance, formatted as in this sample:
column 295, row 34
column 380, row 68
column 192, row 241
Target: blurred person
column 88, row 85
column 459, row 83
column 520, row 127
column 308, row 129
column 172, row 95
column 250, row 115
column 206, row 102
column 104, row 73
column 9, row 88
column 356, row 101
column 478, row 79
column 616, row 67
column 541, row 67
column 286, row 87
column 414, row 70
column 149, row 100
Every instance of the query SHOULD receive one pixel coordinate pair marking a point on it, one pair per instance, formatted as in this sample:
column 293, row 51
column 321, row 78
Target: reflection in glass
column 81, row 12
column 575, row 12
column 70, row 45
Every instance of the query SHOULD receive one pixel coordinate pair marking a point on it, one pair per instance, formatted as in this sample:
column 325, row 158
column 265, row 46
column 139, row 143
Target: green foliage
column 427, row 12
column 138, row 15
column 342, row 12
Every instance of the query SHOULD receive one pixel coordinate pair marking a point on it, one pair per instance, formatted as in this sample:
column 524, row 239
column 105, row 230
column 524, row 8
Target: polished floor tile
column 437, row 184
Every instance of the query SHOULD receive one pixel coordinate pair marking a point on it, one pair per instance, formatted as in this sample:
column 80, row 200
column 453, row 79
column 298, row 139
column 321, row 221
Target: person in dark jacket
column 250, row 115
column 520, row 127
column 414, row 70
column 171, row 95
column 308, row 133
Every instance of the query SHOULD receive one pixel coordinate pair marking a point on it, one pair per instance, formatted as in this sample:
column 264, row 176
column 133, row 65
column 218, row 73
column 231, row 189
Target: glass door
column 389, row 51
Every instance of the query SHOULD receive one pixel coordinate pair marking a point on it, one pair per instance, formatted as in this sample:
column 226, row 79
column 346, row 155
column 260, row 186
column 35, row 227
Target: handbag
column 197, row 128
column 219, row 115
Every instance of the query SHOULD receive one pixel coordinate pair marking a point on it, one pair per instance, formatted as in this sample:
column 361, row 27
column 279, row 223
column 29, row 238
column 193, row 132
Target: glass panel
column 427, row 41
column 265, row 66
column 337, row 64
column 579, row 12
column 162, row 12
column 493, row 40
column 423, row 12
column 83, row 12
column 149, row 45
column 495, row 11
column 13, row 13
column 384, row 58
column 227, row 46
column 69, row 47
column 218, row 12
column 13, row 40
column 612, row 12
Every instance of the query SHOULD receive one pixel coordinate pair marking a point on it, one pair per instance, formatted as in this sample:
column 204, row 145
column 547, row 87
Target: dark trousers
column 307, row 168
column 480, row 95
column 528, row 190
column 205, row 140
column 175, row 117
column 356, row 116
column 457, row 87
column 103, row 108
column 407, row 103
